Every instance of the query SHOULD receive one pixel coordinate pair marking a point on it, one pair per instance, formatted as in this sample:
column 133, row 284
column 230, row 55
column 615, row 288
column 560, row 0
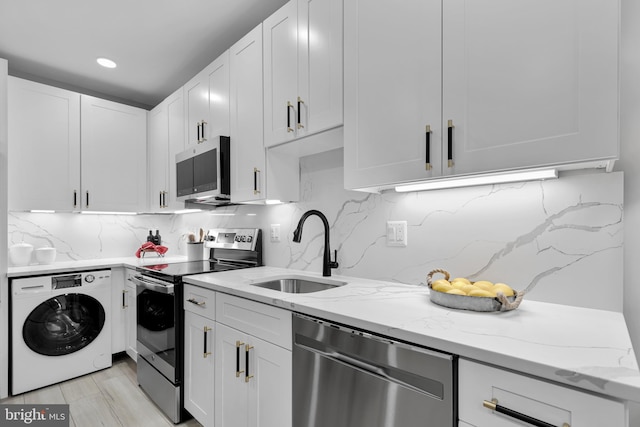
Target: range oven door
column 156, row 325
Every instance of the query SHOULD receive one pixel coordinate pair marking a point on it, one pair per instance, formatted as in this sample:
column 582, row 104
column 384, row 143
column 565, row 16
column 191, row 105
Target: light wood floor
column 110, row 397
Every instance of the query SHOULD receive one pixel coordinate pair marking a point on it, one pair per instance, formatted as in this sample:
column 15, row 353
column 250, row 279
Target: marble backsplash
column 561, row 240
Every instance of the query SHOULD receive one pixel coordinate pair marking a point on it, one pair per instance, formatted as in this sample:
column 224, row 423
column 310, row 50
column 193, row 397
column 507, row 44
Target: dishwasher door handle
column 367, row 367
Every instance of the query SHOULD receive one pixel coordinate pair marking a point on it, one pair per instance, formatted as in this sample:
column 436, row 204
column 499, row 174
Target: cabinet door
column 392, row 91
column 247, row 148
column 533, row 84
column 270, row 385
column 131, row 321
column 113, row 156
column 44, row 146
column 196, row 93
column 218, row 79
column 320, row 70
column 176, row 129
column 230, row 388
column 158, row 157
column 280, row 36
column 199, row 367
column 118, row 310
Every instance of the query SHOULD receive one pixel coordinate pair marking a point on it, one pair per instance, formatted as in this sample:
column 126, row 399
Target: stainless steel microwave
column 202, row 172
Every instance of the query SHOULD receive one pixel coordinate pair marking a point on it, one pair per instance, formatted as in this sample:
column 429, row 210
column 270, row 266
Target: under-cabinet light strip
column 470, row 181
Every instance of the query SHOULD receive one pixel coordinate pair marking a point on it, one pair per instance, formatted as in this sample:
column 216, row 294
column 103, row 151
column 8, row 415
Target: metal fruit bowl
column 465, row 302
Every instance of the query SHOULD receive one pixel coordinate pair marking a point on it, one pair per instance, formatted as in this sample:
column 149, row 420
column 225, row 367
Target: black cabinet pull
column 247, row 377
column 238, row 371
column 289, row 107
column 160, row 201
column 87, row 199
column 450, row 143
column 75, row 198
column 198, row 131
column 493, row 405
column 203, row 138
column 256, row 171
column 124, row 299
column 205, row 353
column 300, row 101
column 427, row 156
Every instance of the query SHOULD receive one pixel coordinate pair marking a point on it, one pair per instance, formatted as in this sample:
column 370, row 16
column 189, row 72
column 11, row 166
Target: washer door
column 63, row 324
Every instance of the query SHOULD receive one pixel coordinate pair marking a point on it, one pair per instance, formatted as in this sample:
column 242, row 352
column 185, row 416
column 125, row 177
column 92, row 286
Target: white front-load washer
column 60, row 328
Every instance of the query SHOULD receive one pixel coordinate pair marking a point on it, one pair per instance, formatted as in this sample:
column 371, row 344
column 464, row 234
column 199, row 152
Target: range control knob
column 89, row 278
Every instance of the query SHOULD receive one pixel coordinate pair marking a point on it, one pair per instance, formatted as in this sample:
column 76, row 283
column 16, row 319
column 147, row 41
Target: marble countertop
column 584, row 348
column 90, row 264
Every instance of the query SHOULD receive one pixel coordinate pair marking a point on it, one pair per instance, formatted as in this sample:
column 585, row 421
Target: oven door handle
column 152, row 286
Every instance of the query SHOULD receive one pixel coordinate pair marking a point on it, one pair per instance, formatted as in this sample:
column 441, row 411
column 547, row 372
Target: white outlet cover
column 274, row 233
column 397, row 233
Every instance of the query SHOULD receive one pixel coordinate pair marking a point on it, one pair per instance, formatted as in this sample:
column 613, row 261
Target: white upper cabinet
column 113, row 156
column 207, row 102
column 165, row 138
column 247, row 150
column 302, row 69
column 280, row 32
column 533, row 85
column 44, row 147
column 392, row 91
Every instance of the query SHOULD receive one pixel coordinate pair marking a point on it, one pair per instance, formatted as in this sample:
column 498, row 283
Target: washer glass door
column 63, row 324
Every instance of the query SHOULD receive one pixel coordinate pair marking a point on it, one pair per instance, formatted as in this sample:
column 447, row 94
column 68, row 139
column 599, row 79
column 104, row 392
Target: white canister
column 20, row 254
column 195, row 251
column 45, row 255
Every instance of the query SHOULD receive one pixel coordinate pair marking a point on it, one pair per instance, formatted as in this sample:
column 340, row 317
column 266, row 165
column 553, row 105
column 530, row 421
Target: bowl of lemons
column 481, row 295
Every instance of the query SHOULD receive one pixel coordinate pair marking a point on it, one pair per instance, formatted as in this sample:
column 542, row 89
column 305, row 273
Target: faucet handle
column 334, row 263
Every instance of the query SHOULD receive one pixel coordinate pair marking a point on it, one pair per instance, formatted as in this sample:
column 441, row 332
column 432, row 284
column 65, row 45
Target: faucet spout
column 327, row 264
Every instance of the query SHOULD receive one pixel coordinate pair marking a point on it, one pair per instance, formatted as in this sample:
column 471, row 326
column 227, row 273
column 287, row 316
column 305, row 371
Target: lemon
column 461, row 279
column 483, row 284
column 468, row 288
column 441, row 285
column 504, row 288
column 456, row 292
column 481, row 293
column 459, row 284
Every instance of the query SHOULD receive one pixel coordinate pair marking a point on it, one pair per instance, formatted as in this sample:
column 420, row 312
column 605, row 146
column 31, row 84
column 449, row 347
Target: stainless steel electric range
column 160, row 313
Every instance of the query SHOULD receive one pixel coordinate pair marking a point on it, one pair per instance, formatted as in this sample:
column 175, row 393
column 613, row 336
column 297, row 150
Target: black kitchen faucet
column 327, row 264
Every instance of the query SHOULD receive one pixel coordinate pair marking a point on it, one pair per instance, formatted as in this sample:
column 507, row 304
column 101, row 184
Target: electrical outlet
column 397, row 233
column 274, row 233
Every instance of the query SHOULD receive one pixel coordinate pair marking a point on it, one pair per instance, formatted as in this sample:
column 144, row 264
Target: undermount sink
column 299, row 285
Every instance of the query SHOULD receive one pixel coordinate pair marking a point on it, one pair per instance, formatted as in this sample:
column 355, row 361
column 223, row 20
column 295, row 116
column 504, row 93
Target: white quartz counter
column 89, row 264
column 585, row 348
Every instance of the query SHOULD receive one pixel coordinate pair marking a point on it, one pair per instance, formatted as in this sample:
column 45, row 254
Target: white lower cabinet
column 123, row 312
column 199, row 360
column 540, row 400
column 253, row 376
column 130, row 315
column 253, row 381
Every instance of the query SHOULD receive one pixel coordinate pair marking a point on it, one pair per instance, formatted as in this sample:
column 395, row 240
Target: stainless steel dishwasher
column 343, row 377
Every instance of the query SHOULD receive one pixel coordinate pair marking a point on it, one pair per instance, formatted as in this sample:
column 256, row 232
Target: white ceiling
column 158, row 44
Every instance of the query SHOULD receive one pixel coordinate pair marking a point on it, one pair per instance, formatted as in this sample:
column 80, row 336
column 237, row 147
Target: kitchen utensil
column 45, row 255
column 195, row 251
column 465, row 302
column 20, row 254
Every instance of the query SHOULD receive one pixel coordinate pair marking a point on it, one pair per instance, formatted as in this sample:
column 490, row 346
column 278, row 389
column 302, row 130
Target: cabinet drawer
column 268, row 323
column 551, row 403
column 200, row 301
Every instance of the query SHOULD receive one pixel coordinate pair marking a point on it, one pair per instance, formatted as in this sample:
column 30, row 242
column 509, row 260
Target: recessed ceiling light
column 107, row 63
